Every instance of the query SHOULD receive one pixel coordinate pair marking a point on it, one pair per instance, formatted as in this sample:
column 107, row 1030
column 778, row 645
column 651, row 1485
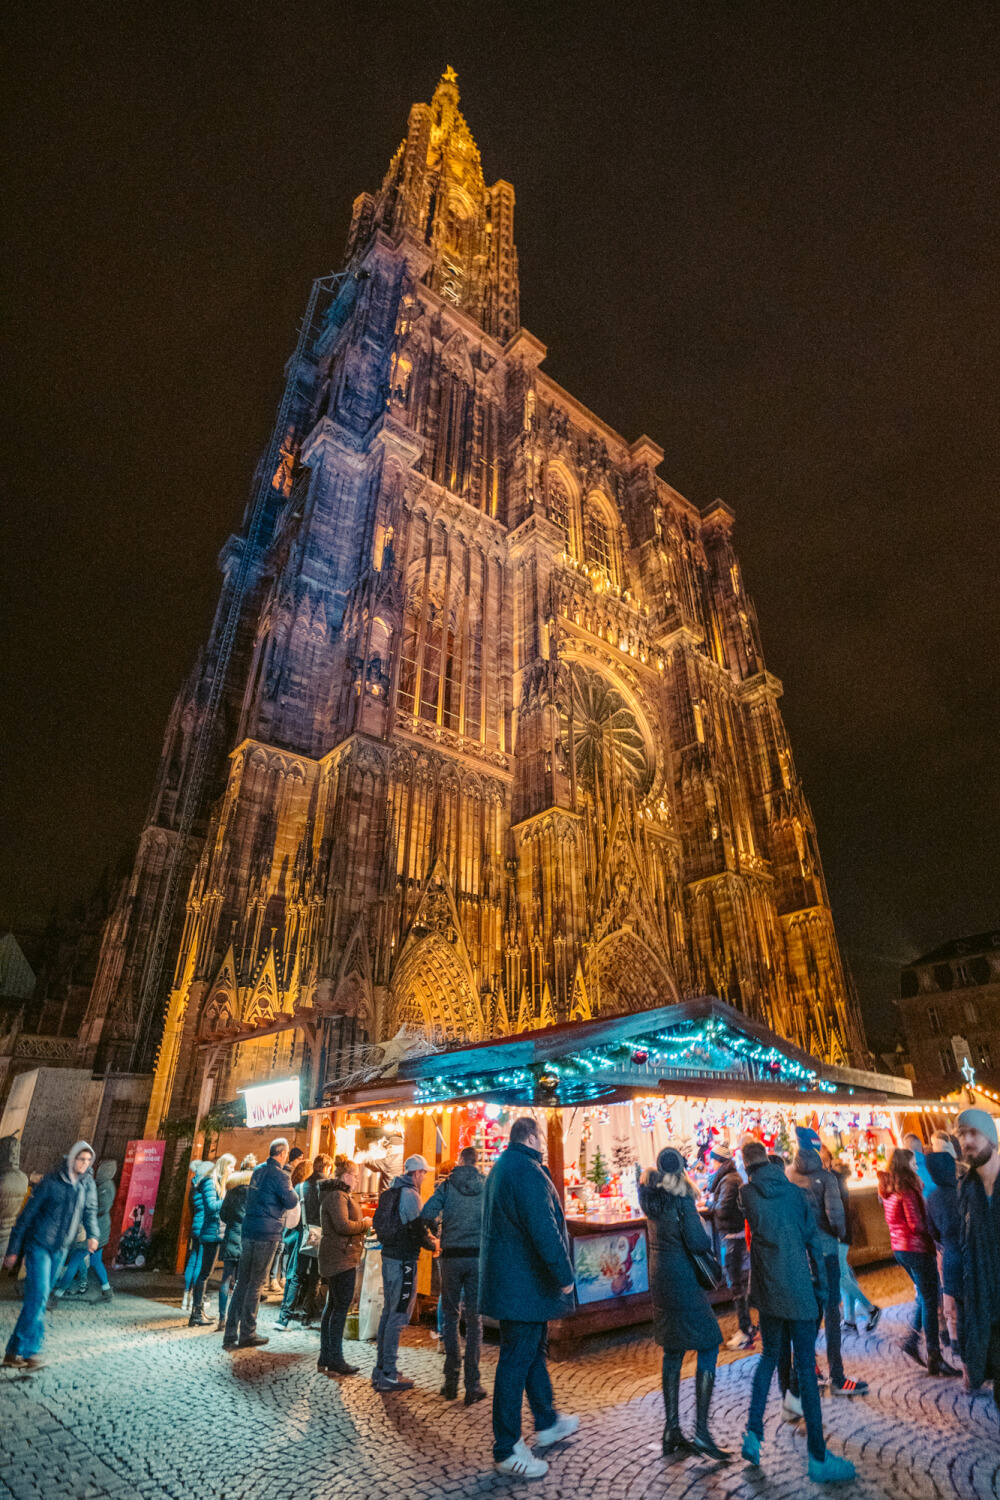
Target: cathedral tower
column 483, row 738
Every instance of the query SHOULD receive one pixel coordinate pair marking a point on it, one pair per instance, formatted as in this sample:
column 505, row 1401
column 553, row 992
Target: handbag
column 312, row 1238
column 705, row 1265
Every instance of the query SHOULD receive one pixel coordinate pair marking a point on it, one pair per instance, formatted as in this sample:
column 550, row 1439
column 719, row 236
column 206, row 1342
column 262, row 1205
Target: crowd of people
column 294, row 1228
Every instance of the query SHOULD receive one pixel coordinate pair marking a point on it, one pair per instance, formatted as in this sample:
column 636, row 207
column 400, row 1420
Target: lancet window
column 598, row 542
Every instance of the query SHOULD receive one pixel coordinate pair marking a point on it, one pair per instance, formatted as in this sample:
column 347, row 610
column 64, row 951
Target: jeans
column 339, row 1296
column 193, row 1261
column 521, row 1371
column 229, row 1268
column 735, row 1264
column 78, row 1260
column 41, row 1271
column 255, row 1262
column 291, row 1279
column 208, row 1249
column 851, row 1292
column 399, row 1288
column 831, row 1316
column 460, row 1278
column 802, row 1338
column 921, row 1267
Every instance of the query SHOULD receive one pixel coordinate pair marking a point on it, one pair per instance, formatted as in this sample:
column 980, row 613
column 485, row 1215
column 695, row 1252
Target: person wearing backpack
column 457, row 1201
column 402, row 1234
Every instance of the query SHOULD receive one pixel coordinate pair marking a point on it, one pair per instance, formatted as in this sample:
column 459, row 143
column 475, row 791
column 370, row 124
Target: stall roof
column 698, row 1047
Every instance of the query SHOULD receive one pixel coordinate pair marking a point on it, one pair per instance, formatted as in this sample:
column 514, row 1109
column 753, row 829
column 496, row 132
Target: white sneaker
column 791, row 1408
column 563, row 1427
column 186, row 1302
column 523, row 1463
column 736, row 1342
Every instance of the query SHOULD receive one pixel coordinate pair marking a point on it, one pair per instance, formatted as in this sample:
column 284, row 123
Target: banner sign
column 132, row 1214
column 273, row 1104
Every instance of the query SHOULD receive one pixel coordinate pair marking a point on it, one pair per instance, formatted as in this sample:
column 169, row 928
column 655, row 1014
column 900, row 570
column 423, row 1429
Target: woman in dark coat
column 234, row 1207
column 683, row 1317
column 343, row 1232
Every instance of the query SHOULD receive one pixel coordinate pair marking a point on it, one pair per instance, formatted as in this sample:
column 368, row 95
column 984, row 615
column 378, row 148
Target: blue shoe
column 751, row 1448
column 832, row 1470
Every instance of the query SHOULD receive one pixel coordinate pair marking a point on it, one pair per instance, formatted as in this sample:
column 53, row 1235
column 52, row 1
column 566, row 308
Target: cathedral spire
column 434, row 193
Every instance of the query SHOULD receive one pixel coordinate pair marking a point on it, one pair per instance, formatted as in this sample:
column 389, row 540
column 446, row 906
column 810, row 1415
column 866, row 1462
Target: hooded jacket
column 50, row 1218
column 198, row 1170
column 206, row 1204
column 104, row 1179
column 979, row 1309
column 682, row 1315
column 943, row 1218
column 823, row 1191
column 787, row 1271
column 525, row 1244
column 457, row 1201
column 234, row 1206
column 13, row 1187
column 412, row 1235
column 343, row 1228
column 724, row 1191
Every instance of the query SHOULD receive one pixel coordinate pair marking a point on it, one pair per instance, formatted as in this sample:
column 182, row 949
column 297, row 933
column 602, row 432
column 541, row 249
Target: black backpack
column 386, row 1223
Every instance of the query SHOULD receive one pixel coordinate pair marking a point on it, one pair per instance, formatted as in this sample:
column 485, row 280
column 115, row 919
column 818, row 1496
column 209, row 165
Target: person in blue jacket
column 526, row 1278
column 269, row 1198
column 44, row 1232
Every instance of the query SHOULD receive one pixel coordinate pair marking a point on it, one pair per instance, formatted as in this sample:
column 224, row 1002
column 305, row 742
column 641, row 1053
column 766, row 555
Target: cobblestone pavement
column 136, row 1404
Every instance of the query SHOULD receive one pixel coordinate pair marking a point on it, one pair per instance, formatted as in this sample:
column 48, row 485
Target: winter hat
column 721, row 1153
column 415, row 1164
column 807, row 1138
column 670, row 1161
column 981, row 1120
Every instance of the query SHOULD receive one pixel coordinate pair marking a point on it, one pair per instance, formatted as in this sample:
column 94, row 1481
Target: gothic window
column 933, row 1018
column 598, row 542
column 603, row 743
column 559, row 506
column 985, row 1055
column 970, row 1012
column 947, row 1060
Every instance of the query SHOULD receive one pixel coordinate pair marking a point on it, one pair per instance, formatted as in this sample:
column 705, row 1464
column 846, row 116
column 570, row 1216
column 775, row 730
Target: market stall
column 613, row 1092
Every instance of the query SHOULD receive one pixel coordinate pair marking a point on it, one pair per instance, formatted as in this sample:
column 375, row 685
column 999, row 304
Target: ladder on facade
column 297, row 394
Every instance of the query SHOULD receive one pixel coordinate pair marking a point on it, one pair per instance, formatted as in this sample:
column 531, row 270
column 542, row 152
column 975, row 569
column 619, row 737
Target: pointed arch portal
column 432, row 989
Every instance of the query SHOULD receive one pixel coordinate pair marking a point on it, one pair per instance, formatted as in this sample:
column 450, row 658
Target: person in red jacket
column 912, row 1245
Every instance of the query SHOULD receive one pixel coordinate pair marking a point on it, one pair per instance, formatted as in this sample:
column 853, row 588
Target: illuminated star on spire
column 449, row 75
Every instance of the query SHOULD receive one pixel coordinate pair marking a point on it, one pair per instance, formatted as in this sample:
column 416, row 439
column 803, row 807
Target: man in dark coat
column 823, row 1191
column 526, row 1278
column 45, row 1229
column 269, row 1197
column 457, row 1201
column 727, row 1217
column 788, row 1289
column 979, row 1205
column 944, row 1220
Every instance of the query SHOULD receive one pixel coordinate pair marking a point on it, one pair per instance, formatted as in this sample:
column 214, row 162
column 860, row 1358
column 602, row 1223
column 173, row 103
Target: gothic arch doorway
column 432, row 989
column 629, row 976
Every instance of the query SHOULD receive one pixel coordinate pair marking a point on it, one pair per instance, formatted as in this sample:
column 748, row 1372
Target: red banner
column 132, row 1214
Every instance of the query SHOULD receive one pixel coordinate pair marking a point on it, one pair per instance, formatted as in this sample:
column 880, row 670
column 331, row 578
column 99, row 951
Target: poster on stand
column 132, row 1214
column 611, row 1265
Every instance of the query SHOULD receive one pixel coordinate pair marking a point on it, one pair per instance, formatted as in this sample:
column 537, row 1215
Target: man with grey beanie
column 402, row 1234
column 979, row 1208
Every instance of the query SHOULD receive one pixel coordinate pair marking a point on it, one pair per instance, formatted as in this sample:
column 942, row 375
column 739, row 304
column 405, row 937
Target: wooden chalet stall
column 612, row 1093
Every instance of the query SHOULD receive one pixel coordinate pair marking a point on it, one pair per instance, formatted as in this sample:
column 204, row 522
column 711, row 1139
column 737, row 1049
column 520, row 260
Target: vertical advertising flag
column 132, row 1215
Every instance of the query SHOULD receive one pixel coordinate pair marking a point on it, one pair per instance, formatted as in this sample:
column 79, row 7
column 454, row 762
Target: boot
column 702, row 1442
column 674, row 1440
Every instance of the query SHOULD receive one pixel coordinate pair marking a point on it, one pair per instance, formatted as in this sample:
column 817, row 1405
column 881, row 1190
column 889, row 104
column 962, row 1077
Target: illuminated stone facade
column 502, row 747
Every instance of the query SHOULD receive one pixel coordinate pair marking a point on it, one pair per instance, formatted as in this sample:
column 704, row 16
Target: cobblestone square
column 135, row 1404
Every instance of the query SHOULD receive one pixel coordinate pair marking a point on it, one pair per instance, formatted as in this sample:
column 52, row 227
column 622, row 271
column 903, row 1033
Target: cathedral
column 483, row 738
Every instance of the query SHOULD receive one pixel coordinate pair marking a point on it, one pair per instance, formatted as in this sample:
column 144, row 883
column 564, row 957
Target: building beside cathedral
column 497, row 746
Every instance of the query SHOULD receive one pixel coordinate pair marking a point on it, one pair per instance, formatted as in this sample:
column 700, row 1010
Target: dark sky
column 767, row 235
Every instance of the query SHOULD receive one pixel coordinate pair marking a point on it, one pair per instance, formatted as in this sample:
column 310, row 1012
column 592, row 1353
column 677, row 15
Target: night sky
column 766, row 235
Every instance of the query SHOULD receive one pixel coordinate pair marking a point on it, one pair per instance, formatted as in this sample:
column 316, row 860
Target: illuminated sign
column 273, row 1104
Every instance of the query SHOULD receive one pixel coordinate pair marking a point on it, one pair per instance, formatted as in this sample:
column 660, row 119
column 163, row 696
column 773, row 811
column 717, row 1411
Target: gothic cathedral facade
column 497, row 747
